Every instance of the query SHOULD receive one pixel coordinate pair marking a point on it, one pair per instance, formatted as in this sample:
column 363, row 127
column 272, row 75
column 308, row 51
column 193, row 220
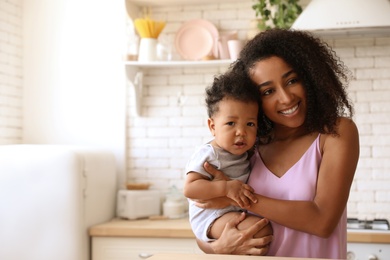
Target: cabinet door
column 115, row 248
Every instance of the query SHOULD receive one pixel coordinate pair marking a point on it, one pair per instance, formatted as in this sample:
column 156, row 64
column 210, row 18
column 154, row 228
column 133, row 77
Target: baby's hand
column 240, row 192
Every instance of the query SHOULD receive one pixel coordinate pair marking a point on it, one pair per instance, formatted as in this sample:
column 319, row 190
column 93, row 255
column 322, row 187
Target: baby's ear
column 210, row 123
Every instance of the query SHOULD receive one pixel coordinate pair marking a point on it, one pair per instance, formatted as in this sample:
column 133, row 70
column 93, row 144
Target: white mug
column 235, row 46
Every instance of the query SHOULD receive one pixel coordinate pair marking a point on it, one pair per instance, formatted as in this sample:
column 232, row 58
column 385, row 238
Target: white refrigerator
column 49, row 196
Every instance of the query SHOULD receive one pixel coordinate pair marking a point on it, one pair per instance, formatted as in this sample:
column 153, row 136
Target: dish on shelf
column 213, row 30
column 223, row 48
column 197, row 39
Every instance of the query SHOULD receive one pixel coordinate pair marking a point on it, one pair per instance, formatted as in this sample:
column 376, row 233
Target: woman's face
column 281, row 91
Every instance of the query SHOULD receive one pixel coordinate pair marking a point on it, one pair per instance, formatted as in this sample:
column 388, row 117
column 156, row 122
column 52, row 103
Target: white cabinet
column 129, row 248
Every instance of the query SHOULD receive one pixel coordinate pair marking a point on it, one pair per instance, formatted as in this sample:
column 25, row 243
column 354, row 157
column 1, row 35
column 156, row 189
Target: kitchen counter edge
column 180, row 228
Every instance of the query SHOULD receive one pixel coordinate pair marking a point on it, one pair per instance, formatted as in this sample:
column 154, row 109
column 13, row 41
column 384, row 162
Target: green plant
column 280, row 13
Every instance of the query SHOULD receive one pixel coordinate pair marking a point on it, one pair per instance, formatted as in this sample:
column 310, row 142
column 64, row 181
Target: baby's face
column 234, row 126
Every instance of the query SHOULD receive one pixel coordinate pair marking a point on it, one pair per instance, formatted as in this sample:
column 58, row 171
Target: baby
column 232, row 104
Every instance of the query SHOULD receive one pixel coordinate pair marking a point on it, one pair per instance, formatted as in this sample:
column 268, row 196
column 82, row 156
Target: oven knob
column 373, row 257
column 351, row 256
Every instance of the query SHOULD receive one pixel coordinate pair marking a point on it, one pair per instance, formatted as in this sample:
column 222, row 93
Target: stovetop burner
column 376, row 224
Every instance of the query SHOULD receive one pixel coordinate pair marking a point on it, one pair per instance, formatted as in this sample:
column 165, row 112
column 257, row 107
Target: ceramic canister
column 147, row 50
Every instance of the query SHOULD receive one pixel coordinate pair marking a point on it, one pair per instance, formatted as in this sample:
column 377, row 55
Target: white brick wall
column 369, row 59
column 10, row 71
column 173, row 117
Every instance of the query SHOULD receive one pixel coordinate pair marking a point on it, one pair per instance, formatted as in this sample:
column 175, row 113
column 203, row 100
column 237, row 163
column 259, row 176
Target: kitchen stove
column 369, row 250
column 376, row 224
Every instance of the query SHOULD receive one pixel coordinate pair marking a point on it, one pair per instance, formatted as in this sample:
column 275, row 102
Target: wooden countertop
column 174, row 228
column 170, row 256
column 180, row 228
column 368, row 236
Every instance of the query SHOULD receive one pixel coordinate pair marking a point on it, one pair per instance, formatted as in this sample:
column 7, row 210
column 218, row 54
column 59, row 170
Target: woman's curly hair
column 323, row 74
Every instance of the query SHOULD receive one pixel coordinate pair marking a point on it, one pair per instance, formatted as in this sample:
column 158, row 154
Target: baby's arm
column 199, row 187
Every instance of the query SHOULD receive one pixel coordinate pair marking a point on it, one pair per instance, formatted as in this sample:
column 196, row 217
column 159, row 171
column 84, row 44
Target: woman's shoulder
column 347, row 131
column 346, row 126
column 345, row 120
column 343, row 124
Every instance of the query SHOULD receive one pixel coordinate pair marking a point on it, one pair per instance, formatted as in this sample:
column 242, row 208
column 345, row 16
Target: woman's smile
column 290, row 110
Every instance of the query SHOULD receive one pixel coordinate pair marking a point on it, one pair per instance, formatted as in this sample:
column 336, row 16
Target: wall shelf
column 135, row 73
column 157, row 64
column 175, row 2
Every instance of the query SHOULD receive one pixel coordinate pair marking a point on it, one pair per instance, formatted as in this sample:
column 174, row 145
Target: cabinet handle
column 144, row 255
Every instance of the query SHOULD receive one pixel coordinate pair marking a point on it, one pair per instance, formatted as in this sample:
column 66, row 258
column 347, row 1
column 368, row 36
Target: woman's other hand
column 239, row 242
column 217, row 174
column 216, row 203
column 240, row 193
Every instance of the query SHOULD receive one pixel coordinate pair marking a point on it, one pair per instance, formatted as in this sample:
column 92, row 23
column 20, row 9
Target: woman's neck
column 282, row 133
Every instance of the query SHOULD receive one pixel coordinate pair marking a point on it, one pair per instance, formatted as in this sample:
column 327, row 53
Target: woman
column 306, row 159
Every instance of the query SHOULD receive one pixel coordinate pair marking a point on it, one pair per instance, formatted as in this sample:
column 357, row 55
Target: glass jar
column 174, row 205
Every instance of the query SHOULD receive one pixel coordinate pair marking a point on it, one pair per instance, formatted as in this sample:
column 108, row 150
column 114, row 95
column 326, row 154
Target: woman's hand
column 216, row 203
column 217, row 174
column 239, row 242
column 238, row 193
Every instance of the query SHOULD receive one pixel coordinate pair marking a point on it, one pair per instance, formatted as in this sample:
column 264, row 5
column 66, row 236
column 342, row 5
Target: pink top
column 298, row 183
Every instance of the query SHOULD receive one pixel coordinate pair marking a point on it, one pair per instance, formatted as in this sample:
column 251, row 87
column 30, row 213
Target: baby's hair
column 237, row 86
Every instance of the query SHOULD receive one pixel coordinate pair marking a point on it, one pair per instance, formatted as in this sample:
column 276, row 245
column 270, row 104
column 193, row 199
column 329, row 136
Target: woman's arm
column 238, row 242
column 321, row 215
